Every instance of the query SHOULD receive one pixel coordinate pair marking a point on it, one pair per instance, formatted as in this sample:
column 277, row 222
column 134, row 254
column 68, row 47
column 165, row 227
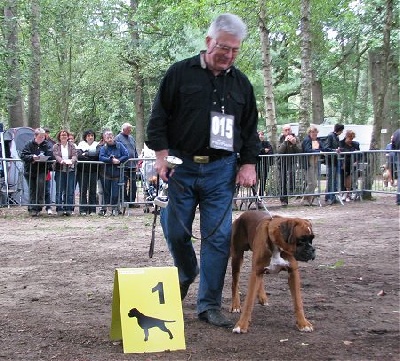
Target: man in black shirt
column 205, row 113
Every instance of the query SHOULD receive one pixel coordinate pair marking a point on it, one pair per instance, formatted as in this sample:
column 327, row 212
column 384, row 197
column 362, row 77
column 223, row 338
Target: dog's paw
column 239, row 330
column 235, row 310
column 308, row 327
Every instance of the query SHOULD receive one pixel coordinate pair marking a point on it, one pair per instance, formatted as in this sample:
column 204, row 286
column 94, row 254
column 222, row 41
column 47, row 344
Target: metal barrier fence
column 89, row 188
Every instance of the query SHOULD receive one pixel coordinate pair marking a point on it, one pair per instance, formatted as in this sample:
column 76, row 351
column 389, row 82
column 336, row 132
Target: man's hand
column 161, row 165
column 246, row 176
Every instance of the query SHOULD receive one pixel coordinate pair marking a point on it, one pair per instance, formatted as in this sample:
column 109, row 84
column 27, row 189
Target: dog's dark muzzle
column 305, row 251
column 305, row 256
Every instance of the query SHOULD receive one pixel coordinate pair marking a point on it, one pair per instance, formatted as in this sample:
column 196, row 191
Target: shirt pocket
column 237, row 102
column 192, row 96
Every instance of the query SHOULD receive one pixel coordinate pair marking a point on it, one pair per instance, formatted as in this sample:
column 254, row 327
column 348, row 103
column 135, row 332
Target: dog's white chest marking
column 277, row 263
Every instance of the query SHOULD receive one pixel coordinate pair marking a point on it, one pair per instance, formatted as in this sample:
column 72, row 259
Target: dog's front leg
column 146, row 334
column 294, row 284
column 262, row 295
column 254, row 284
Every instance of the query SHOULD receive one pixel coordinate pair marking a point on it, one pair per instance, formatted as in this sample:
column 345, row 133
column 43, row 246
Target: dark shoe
column 67, row 213
column 284, row 204
column 216, row 318
column 102, row 213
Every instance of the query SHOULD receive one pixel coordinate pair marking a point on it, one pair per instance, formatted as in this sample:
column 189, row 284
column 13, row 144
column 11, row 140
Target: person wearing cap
column 125, row 137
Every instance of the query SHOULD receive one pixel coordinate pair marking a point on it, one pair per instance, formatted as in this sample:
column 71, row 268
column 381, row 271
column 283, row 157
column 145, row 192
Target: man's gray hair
column 229, row 23
column 39, row 131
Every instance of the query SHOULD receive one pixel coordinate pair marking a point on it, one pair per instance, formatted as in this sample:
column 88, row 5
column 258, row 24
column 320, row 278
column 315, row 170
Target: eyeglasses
column 226, row 49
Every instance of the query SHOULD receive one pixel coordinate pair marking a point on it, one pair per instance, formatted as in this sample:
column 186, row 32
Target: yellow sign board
column 147, row 310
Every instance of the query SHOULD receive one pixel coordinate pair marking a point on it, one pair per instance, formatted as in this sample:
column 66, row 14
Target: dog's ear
column 287, row 230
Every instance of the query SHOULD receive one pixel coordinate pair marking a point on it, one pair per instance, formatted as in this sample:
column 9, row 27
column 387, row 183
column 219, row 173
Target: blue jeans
column 332, row 180
column 211, row 186
column 65, row 191
column 111, row 191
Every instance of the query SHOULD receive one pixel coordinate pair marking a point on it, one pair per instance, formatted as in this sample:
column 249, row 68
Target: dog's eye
column 305, row 240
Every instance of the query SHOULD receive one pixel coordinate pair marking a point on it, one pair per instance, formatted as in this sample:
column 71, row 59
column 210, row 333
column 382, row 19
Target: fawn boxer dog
column 277, row 244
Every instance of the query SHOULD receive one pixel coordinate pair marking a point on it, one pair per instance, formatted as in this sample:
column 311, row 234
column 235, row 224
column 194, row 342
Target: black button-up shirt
column 180, row 118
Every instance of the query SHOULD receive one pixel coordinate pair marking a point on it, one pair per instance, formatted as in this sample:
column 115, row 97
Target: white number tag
column 221, row 131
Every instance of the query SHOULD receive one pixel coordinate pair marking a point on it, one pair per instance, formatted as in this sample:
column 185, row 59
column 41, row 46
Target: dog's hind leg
column 236, row 263
column 254, row 284
column 262, row 295
column 165, row 329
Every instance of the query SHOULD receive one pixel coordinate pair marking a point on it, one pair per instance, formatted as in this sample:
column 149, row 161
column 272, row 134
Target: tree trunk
column 34, row 86
column 317, row 102
column 306, row 74
column 14, row 97
column 379, row 79
column 392, row 101
column 270, row 116
column 138, row 80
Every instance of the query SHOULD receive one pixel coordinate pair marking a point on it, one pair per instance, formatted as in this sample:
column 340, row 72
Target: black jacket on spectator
column 32, row 148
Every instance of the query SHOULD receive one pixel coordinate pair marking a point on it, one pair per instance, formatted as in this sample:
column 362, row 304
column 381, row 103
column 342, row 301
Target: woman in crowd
column 87, row 173
column 66, row 157
column 348, row 169
column 311, row 144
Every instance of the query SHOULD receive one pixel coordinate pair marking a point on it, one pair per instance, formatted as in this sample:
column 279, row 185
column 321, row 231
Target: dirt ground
column 57, row 274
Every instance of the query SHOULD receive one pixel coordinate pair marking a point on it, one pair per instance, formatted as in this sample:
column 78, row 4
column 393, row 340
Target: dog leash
column 153, row 229
column 260, row 200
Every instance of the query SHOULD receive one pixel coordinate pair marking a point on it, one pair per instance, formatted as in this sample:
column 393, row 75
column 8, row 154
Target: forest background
column 97, row 64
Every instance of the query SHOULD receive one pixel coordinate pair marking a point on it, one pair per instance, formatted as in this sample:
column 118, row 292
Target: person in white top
column 66, row 157
column 87, row 172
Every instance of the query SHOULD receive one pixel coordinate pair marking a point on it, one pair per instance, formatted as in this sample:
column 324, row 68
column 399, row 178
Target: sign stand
column 147, row 310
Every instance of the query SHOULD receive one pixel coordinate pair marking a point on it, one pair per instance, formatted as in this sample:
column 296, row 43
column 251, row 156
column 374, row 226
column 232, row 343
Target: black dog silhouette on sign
column 146, row 322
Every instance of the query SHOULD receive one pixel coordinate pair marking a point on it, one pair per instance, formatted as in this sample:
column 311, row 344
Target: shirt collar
column 200, row 61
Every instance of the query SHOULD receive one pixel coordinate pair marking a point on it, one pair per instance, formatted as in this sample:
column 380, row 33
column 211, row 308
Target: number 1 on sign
column 160, row 288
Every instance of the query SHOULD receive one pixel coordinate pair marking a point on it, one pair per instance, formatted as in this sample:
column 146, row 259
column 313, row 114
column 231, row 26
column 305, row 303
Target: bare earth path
column 56, row 281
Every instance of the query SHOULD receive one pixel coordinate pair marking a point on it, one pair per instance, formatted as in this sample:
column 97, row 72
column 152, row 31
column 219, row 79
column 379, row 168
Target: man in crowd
column 125, row 137
column 36, row 169
column 288, row 144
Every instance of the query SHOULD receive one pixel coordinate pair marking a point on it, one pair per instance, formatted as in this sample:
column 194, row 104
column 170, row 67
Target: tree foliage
column 89, row 59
